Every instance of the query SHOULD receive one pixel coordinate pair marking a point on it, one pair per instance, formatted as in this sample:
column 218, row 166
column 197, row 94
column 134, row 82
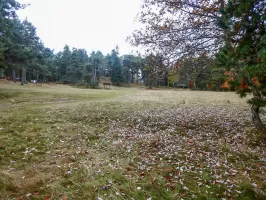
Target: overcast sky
column 88, row 24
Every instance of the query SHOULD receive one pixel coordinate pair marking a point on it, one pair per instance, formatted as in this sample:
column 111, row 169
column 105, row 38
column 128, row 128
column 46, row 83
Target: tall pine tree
column 244, row 52
column 117, row 77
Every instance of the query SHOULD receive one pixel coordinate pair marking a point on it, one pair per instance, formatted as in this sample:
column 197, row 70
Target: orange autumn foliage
column 191, row 84
column 242, row 85
column 255, row 81
column 226, row 84
column 211, row 86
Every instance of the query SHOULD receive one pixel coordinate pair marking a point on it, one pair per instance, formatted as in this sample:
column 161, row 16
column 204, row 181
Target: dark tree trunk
column 37, row 76
column 14, row 78
column 132, row 77
column 255, row 111
column 23, row 79
column 94, row 76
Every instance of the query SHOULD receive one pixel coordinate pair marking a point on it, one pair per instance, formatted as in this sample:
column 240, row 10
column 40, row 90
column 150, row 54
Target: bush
column 81, row 84
column 94, row 85
column 125, row 85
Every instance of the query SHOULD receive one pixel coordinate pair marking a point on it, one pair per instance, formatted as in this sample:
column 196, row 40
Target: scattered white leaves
column 185, row 188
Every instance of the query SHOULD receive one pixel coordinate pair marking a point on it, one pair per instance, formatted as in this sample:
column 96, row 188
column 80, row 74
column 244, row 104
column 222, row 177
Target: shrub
column 94, row 85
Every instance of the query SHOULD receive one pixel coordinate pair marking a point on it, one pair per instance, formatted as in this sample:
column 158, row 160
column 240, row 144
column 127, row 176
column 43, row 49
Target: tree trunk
column 150, row 83
column 94, row 78
column 255, row 111
column 37, row 76
column 23, row 79
column 132, row 77
column 14, row 78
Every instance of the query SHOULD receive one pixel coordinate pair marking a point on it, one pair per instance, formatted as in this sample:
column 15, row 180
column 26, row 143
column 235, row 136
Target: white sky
column 89, row 24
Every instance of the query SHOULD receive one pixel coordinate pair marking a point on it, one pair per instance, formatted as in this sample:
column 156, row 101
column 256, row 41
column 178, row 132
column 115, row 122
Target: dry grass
column 60, row 142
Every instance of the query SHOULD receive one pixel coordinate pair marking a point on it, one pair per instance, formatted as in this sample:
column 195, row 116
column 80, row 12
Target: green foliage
column 155, row 70
column 198, row 69
column 94, row 85
column 21, row 50
column 132, row 65
column 172, row 78
column 23, row 56
column 245, row 56
column 117, row 77
column 7, row 13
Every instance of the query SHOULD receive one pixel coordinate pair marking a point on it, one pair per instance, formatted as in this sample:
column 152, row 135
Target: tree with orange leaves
column 244, row 51
column 235, row 29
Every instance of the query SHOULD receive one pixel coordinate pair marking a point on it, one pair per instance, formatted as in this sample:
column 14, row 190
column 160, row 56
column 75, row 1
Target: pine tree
column 7, row 13
column 243, row 22
column 96, row 61
column 64, row 62
column 117, row 77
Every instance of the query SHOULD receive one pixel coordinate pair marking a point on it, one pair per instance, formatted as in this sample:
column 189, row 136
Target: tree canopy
column 24, row 57
column 230, row 32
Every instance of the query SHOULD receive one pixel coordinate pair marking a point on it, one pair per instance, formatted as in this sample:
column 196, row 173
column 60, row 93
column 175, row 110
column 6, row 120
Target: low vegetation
column 60, row 142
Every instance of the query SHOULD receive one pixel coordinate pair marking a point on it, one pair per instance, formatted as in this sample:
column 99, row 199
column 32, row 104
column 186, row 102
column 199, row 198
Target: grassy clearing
column 59, row 142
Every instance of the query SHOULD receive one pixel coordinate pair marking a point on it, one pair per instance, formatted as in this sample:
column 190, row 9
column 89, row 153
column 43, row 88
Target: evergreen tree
column 96, row 61
column 24, row 56
column 107, row 66
column 63, row 61
column 22, row 48
column 48, row 60
column 131, row 67
column 243, row 22
column 7, row 13
column 117, row 77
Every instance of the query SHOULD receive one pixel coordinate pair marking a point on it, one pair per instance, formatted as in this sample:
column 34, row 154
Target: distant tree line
column 24, row 57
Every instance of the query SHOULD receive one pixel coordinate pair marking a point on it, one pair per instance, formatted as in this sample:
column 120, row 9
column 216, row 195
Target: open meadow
column 61, row 142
